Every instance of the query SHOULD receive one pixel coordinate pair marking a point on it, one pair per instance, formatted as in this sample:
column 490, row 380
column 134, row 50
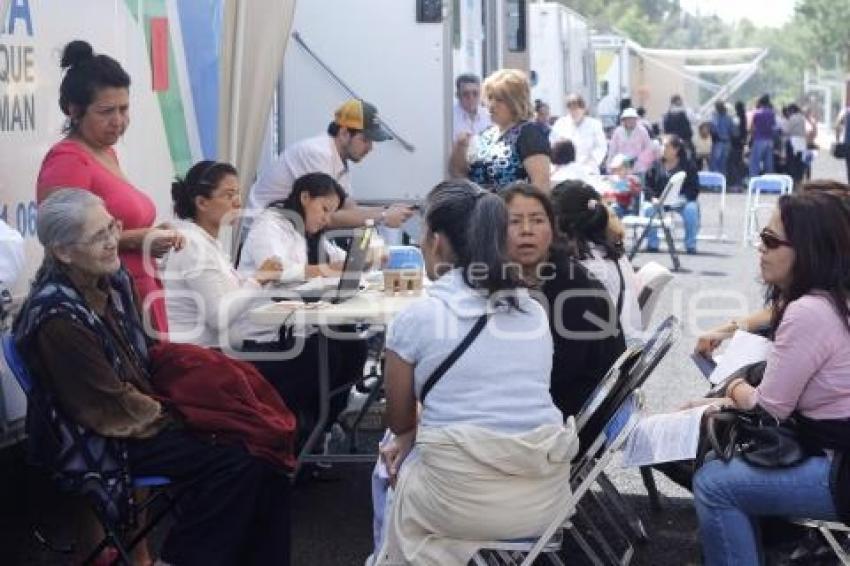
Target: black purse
column 756, row 436
column 759, row 438
column 840, row 150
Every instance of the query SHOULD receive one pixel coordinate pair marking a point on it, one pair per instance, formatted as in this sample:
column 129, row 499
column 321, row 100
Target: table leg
column 324, row 401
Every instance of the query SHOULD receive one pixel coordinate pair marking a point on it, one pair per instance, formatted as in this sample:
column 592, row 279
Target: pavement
column 332, row 519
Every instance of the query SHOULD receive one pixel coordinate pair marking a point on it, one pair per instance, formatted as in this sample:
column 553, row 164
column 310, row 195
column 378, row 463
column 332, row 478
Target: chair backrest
column 16, row 364
column 615, row 375
column 771, row 184
column 650, row 355
column 673, row 188
column 712, row 180
column 653, row 277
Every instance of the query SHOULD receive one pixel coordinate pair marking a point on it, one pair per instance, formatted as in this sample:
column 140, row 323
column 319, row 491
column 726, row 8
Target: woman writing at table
column 94, row 95
column 291, row 229
column 209, row 301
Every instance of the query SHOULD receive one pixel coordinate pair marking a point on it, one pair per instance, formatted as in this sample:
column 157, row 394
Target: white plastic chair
column 660, row 217
column 765, row 184
column 653, row 277
column 715, row 182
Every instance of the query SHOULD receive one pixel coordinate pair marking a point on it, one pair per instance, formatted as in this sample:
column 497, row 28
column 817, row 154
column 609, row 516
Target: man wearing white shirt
column 469, row 116
column 585, row 132
column 348, row 139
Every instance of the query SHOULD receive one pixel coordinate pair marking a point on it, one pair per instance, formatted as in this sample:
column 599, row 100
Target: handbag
column 757, row 437
column 839, row 150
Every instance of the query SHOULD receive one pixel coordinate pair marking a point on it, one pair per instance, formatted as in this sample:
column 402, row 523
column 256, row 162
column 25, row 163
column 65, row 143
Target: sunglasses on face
column 771, row 241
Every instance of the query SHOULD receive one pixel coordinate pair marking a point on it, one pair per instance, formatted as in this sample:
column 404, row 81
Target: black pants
column 236, row 509
column 297, row 379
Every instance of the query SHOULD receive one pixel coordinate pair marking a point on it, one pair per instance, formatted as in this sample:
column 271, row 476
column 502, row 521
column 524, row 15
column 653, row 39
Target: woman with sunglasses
column 759, row 320
column 805, row 262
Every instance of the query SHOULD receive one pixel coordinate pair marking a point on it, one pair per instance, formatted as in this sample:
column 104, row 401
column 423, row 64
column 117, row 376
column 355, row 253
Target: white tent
column 254, row 39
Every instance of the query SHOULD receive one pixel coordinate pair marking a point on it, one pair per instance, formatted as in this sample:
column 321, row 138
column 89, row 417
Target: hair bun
column 76, row 52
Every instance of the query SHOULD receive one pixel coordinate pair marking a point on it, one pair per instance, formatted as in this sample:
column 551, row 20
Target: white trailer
column 561, row 55
column 612, row 76
column 407, row 69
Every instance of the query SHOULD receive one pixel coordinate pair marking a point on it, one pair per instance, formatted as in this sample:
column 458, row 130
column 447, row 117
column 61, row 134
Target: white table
column 372, row 308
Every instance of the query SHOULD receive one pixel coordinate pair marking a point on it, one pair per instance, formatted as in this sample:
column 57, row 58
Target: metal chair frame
column 659, row 218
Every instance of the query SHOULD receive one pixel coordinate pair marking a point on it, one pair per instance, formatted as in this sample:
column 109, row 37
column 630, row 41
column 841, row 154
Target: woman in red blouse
column 95, row 95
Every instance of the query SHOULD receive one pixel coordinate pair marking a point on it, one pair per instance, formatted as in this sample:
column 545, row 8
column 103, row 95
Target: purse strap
column 622, row 289
column 452, row 358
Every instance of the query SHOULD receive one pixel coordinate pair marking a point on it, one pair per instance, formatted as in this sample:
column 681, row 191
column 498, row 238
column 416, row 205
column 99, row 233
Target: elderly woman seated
column 80, row 334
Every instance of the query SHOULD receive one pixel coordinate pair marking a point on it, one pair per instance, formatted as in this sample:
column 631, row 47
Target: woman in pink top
column 805, row 261
column 632, row 140
column 94, row 95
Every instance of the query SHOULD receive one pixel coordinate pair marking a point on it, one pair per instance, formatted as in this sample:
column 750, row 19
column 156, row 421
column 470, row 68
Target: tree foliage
column 817, row 35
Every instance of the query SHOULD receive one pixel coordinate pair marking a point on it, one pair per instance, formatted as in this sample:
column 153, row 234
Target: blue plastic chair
column 712, row 181
column 764, row 184
column 113, row 537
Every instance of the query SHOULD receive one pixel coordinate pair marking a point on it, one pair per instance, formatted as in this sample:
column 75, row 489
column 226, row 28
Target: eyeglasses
column 102, row 237
column 771, row 241
column 470, row 93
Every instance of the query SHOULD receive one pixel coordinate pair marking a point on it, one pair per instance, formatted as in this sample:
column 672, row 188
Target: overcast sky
column 773, row 13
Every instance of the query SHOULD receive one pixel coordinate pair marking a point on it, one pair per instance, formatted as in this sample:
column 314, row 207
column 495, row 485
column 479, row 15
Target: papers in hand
column 743, row 349
column 665, row 437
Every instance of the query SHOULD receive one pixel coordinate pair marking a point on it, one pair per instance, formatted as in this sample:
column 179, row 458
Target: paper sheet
column 743, row 349
column 665, row 437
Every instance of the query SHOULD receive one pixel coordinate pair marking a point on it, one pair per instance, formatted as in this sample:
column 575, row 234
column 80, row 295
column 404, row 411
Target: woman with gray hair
column 80, row 334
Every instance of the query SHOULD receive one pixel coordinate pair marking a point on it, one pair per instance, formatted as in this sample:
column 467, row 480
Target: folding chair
column 660, row 217
column 765, row 184
column 587, row 470
column 98, row 471
column 635, row 376
column 506, row 552
column 715, row 182
column 828, row 530
column 653, row 277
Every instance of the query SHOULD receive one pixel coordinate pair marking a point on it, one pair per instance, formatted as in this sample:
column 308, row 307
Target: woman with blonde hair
column 513, row 148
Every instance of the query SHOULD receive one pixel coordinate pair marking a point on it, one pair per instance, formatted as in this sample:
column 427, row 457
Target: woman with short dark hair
column 674, row 158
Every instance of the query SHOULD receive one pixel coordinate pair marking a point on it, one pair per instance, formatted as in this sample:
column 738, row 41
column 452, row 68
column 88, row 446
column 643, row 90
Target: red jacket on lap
column 217, row 394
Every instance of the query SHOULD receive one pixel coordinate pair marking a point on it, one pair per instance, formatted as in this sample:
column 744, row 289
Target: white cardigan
column 273, row 234
column 206, row 299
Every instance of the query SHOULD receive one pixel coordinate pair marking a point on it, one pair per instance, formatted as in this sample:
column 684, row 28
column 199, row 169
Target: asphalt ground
column 332, row 518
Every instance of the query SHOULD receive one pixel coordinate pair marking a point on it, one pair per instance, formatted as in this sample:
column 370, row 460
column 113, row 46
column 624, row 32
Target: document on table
column 665, row 437
column 744, row 349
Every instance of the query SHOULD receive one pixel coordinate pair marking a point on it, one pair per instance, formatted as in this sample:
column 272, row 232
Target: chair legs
column 651, row 488
column 633, row 520
column 839, row 551
column 668, row 237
